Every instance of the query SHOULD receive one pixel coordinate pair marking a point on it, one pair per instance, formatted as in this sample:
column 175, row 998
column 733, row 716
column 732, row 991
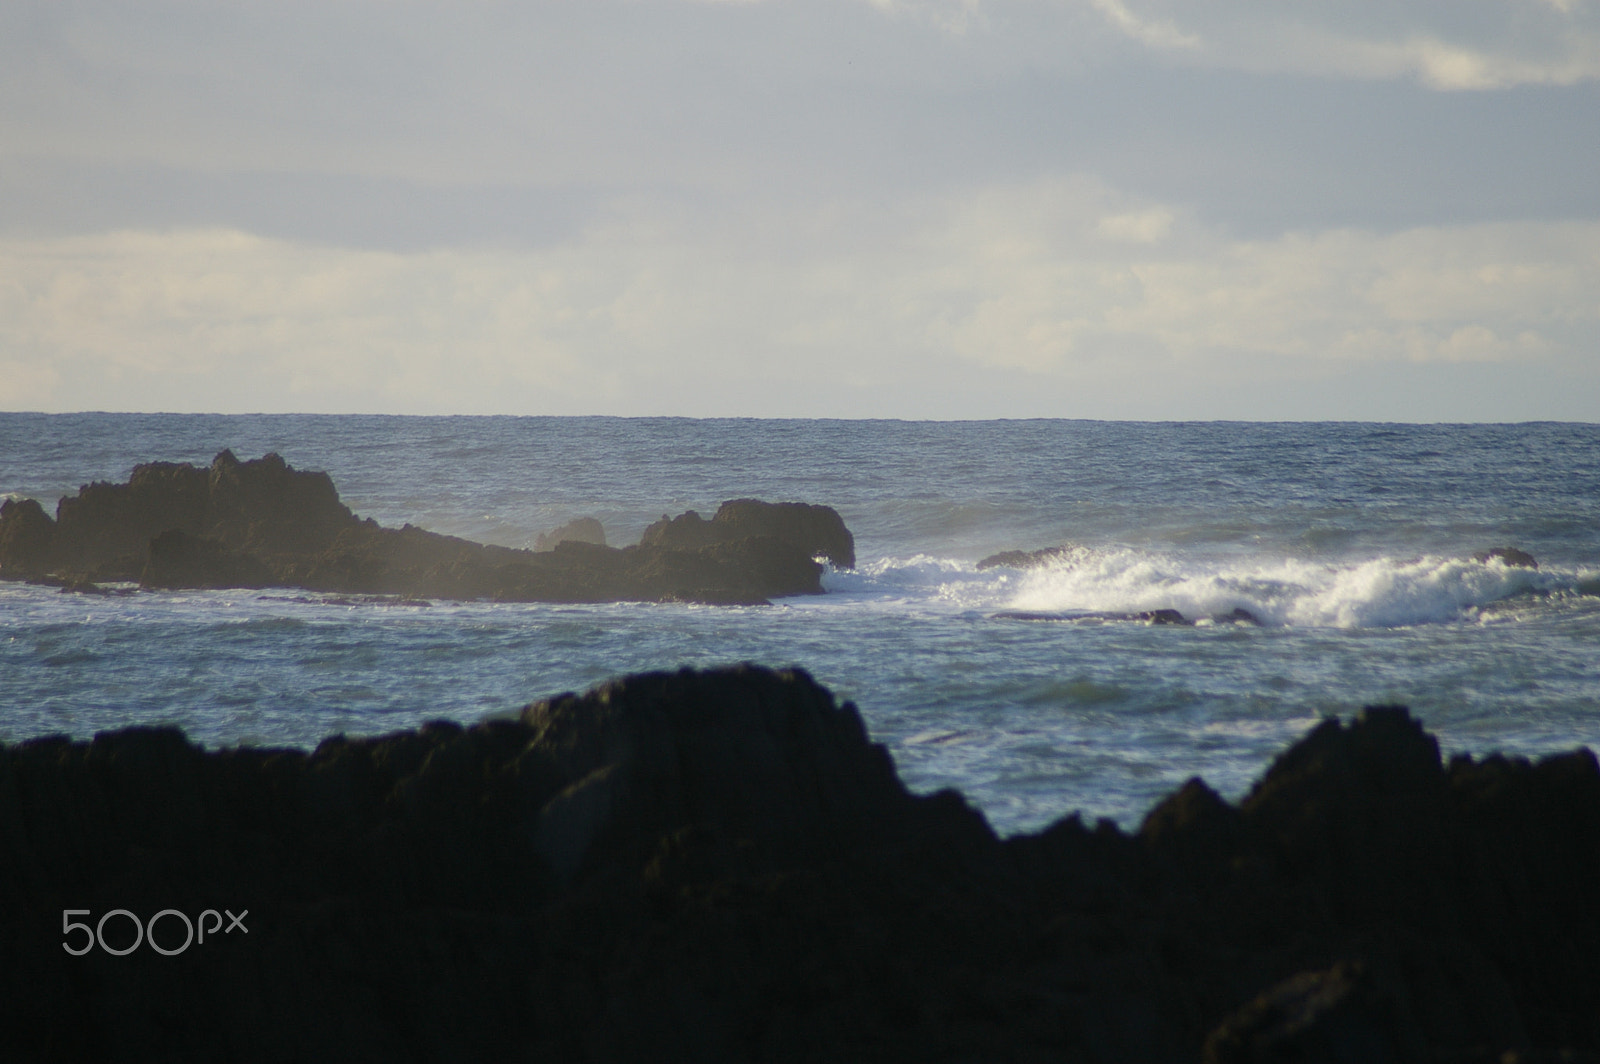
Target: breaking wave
column 1084, row 582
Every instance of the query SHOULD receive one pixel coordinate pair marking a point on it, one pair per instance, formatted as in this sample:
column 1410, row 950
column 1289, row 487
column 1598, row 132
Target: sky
column 1123, row 209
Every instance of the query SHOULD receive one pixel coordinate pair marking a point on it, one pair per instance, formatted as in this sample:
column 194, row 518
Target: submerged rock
column 1028, row 559
column 721, row 865
column 1164, row 616
column 1237, row 615
column 1511, row 556
column 263, row 523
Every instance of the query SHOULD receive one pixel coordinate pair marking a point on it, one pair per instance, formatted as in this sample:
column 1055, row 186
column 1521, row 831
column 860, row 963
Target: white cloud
column 1155, row 32
column 1445, row 44
column 1140, row 227
column 1048, row 293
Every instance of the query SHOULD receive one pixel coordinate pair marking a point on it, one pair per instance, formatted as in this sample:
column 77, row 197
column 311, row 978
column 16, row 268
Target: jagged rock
column 265, row 507
column 263, row 523
column 27, row 537
column 261, row 507
column 765, row 762
column 721, row 865
column 819, row 531
column 106, row 528
column 581, row 530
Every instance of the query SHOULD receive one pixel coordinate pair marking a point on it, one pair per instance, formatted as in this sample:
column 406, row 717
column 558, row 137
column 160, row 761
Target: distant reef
column 721, row 866
column 262, row 523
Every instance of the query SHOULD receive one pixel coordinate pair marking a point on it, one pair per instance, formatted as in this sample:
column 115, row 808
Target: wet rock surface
column 262, row 523
column 720, row 865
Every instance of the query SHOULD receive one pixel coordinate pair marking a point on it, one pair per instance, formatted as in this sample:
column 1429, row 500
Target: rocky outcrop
column 262, row 508
column 722, row 866
column 262, row 523
column 27, row 537
column 816, row 530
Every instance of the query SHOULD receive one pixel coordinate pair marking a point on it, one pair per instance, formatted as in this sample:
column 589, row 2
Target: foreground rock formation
column 262, row 523
column 721, row 866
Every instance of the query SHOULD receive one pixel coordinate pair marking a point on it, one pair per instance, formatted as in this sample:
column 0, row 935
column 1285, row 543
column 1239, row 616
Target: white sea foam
column 1375, row 593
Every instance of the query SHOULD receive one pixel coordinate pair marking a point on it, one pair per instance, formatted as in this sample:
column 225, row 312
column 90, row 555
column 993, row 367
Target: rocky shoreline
column 262, row 523
column 720, row 865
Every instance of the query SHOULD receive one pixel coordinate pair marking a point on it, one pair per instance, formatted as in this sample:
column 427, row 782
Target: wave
column 1121, row 583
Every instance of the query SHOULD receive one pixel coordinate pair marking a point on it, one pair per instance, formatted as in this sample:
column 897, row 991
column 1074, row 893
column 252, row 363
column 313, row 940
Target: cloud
column 1021, row 298
column 1141, row 227
column 1157, row 33
column 1049, row 280
column 1444, row 44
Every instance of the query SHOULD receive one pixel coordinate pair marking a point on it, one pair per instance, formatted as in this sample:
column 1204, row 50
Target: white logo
column 143, row 932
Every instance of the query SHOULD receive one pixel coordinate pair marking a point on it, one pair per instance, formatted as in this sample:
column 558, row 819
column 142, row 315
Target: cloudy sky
column 1252, row 209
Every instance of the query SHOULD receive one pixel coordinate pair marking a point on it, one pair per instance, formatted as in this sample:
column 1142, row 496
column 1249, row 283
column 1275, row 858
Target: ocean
column 1028, row 690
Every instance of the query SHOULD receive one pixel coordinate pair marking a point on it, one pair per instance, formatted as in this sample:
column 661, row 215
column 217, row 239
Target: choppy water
column 1352, row 543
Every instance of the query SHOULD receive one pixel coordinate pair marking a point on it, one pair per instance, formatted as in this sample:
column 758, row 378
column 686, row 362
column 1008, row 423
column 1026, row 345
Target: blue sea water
column 1352, row 543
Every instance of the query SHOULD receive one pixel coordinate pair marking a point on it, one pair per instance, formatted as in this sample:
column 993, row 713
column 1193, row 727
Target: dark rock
column 766, row 762
column 721, row 865
column 819, row 531
column 1510, row 556
column 262, row 523
column 178, row 559
column 1163, row 617
column 1237, row 615
column 27, row 538
column 107, row 528
column 581, row 530
column 1195, row 820
column 1333, row 1015
column 265, row 507
column 1028, row 559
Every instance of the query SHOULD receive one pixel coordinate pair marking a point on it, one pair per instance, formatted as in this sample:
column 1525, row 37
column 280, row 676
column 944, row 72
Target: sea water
column 1028, row 690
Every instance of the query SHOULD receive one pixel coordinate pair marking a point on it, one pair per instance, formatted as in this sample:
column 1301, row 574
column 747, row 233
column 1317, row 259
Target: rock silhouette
column 721, row 865
column 262, row 523
column 817, row 530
